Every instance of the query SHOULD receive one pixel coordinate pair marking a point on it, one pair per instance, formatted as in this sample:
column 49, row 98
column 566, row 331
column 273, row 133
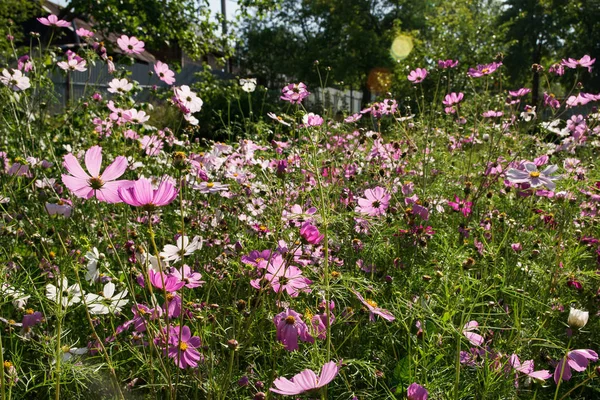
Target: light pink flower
column 585, row 61
column 164, row 73
column 375, row 203
column 142, row 194
column 130, row 45
column 418, row 75
column 119, row 86
column 306, row 380
column 104, row 186
column 82, row 32
column 286, row 277
column 475, row 338
column 53, row 20
column 73, row 64
column 527, row 368
column 373, row 309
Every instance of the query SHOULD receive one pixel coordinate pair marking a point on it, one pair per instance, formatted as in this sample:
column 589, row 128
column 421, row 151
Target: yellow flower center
column 291, row 320
column 183, row 346
column 534, row 174
column 29, row 311
column 7, row 364
column 371, row 303
column 96, row 183
column 210, row 184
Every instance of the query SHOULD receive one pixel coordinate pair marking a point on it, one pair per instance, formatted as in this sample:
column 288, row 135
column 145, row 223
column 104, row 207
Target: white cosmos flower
column 67, row 295
column 107, row 303
column 183, row 248
column 120, row 86
column 248, row 85
column 93, row 256
column 19, row 299
column 578, row 318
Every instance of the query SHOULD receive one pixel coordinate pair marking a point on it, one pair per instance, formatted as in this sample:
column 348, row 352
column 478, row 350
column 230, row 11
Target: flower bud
column 578, row 318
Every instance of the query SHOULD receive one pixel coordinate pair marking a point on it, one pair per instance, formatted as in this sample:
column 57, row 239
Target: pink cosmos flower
column 475, row 338
column 142, row 194
column 290, row 327
column 585, row 61
column 84, row 33
column 53, row 20
column 15, row 79
column 532, row 176
column 73, row 64
column 184, row 352
column 306, row 380
column 294, row 92
column 312, row 119
column 188, row 101
column 557, row 69
column 463, row 206
column 483, row 69
column 492, row 114
column 445, row 64
column 551, row 101
column 164, row 73
column 310, row 233
column 418, row 75
column 451, row 100
column 577, row 360
column 527, row 368
column 168, row 282
column 104, row 186
column 416, row 392
column 375, row 203
column 192, row 279
column 152, row 145
column 373, row 309
column 580, row 100
column 130, row 45
column 286, row 277
column 519, row 93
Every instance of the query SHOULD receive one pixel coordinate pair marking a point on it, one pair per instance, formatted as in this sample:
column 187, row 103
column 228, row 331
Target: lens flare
column 401, row 47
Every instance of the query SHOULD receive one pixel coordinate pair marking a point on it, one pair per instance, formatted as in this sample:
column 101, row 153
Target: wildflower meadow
column 442, row 244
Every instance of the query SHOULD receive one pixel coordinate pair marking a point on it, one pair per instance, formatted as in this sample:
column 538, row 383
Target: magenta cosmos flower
column 294, row 92
column 311, row 234
column 142, row 194
column 375, row 203
column 164, row 73
column 184, row 352
column 416, row 392
column 130, row 45
column 445, row 64
column 483, row 69
column 373, row 309
column 53, row 20
column 104, row 186
column 290, row 328
column 418, row 75
column 306, row 380
column 577, row 360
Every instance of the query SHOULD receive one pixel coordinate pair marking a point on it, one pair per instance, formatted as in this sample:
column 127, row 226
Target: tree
column 12, row 14
column 535, row 29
